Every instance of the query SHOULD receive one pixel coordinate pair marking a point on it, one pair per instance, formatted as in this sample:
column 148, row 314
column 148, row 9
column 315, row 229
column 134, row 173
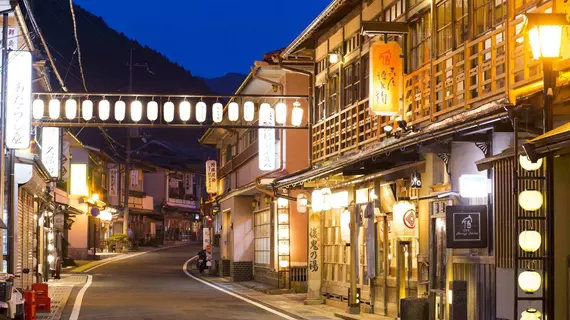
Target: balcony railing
column 482, row 70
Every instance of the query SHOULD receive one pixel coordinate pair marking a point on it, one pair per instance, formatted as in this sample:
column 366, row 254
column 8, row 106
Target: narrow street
column 154, row 286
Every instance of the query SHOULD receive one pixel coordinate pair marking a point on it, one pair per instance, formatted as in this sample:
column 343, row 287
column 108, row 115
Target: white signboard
column 113, row 182
column 206, row 237
column 188, row 183
column 267, row 149
column 19, row 100
column 134, row 178
column 50, row 150
column 58, row 221
column 5, row 5
column 211, row 176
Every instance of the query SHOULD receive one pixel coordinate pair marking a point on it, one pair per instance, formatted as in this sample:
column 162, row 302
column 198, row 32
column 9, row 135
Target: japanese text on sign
column 19, row 96
column 113, row 182
column 267, row 149
column 385, row 78
column 211, row 176
column 50, row 150
column 313, row 250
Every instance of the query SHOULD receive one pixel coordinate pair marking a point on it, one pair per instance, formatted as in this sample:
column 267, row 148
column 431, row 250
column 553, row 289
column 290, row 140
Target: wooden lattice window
column 421, row 41
column 461, row 22
column 487, row 14
column 444, row 27
column 321, row 103
column 262, row 234
column 332, row 103
column 365, row 87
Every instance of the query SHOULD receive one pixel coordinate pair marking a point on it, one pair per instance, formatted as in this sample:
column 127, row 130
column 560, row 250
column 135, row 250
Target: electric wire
column 77, row 44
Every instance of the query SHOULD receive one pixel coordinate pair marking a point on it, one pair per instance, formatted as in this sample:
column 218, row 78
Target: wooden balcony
column 486, row 69
column 239, row 160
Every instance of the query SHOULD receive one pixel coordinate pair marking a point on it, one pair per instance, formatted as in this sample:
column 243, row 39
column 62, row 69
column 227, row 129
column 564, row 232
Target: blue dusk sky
column 210, row 38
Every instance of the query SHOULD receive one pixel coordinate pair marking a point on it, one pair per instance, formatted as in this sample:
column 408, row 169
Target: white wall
column 77, row 236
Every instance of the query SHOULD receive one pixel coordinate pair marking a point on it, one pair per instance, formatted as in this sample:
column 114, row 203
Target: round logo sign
column 410, row 219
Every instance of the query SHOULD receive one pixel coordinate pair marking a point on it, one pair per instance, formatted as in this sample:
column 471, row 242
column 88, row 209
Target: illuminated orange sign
column 385, row 77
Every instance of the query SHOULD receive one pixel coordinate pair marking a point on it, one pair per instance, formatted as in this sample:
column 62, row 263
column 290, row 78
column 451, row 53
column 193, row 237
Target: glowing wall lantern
column 217, row 112
column 530, row 240
column 185, row 111
column 284, row 248
column 282, row 203
column 105, row 215
column 531, row 314
column 169, row 111
column 152, row 111
column 529, row 281
column 201, row 111
column 78, row 186
column 404, row 219
column 87, row 110
column 136, row 111
column 50, row 258
column 530, row 200
column 248, row 111
column 545, row 33
column 385, row 91
column 38, row 109
column 120, row 110
column 266, row 140
column 70, row 109
column 345, row 226
column 284, row 232
column 104, row 109
column 54, row 109
column 302, row 203
column 281, row 113
column 297, row 114
column 284, row 262
column 233, row 111
column 317, row 200
column 327, row 198
column 528, row 165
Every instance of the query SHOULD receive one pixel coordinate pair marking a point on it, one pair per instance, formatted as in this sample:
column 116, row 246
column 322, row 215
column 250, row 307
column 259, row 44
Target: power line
column 77, row 44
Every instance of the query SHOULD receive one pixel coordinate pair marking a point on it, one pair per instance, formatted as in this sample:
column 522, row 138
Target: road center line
column 79, row 299
column 259, row 305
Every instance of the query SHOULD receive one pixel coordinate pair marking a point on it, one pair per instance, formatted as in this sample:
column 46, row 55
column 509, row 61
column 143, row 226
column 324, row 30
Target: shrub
column 120, row 239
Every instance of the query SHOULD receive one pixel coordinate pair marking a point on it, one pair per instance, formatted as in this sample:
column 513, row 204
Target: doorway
column 227, row 236
column 438, row 257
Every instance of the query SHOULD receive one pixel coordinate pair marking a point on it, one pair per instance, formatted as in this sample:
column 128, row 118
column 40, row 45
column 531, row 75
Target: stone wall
column 241, row 271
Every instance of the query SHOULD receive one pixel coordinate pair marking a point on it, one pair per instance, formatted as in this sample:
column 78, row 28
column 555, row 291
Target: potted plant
column 121, row 242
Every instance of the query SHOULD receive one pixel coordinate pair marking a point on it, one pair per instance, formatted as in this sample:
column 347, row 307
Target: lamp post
column 545, row 37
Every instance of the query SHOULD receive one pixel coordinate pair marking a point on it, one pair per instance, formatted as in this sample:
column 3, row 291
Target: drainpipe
column 254, row 75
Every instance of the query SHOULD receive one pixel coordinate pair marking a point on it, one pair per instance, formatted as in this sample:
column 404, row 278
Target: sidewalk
column 290, row 304
column 59, row 292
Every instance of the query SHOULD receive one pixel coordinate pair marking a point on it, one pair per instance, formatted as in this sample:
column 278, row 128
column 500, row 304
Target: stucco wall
column 78, row 233
column 298, row 233
column 155, row 185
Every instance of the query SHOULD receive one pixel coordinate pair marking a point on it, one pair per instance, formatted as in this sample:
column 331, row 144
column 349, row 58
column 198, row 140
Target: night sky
column 210, row 38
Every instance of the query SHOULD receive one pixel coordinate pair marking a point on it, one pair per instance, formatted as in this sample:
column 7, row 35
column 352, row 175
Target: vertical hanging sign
column 50, row 150
column 385, row 78
column 267, row 149
column 211, row 176
column 113, row 182
column 19, row 100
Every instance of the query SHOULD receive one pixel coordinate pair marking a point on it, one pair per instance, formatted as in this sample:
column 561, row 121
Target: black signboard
column 466, row 226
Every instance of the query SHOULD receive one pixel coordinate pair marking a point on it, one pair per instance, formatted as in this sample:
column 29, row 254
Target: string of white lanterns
column 136, row 107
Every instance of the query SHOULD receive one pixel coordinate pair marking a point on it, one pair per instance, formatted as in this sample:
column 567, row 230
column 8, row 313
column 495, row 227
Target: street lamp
column 545, row 34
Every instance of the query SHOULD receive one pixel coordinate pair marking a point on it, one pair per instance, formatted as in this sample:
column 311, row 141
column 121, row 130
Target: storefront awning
column 548, row 142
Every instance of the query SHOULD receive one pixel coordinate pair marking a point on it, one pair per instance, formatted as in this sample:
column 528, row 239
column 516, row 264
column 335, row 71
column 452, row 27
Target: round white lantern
column 120, row 110
column 50, row 258
column 201, row 111
column 301, row 203
column 530, row 240
column 281, row 113
column 297, row 114
column 185, row 111
column 317, row 200
column 233, row 111
column 104, row 109
column 248, row 111
column 87, row 110
column 70, row 109
column 38, row 109
column 403, row 219
column 327, row 198
column 54, row 109
column 530, row 200
column 217, row 112
column 152, row 111
column 105, row 215
column 529, row 166
column 529, row 281
column 169, row 111
column 136, row 111
column 531, row 314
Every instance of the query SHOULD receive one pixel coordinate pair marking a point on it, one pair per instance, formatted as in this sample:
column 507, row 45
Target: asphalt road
column 154, row 286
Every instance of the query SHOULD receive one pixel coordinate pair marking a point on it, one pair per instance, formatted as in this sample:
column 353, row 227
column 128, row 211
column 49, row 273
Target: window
column 322, row 65
column 262, row 234
column 395, row 11
column 351, row 79
column 321, row 102
column 352, row 43
column 365, row 76
column 461, row 22
column 487, row 14
column 332, row 103
column 421, row 41
column 248, row 138
column 444, row 28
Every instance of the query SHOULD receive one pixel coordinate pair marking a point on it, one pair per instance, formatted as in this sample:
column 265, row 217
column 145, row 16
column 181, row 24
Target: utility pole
column 128, row 158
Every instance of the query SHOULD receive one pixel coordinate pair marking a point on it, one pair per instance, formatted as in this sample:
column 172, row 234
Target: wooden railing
column 480, row 71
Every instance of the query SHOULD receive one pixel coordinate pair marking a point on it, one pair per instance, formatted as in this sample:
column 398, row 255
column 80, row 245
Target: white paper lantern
column 530, row 240
column 403, row 219
column 104, row 109
column 248, row 111
column 136, row 111
column 201, row 111
column 169, row 112
column 530, row 200
column 317, row 200
column 50, row 258
column 70, row 109
column 87, row 110
column 327, row 198
column 54, row 109
column 531, row 314
column 152, row 111
column 529, row 281
column 297, row 114
column 528, row 165
column 185, row 111
column 233, row 111
column 217, row 112
column 120, row 110
column 281, row 113
column 38, row 108
column 301, row 203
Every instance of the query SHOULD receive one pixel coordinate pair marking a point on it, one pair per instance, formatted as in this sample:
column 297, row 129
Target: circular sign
column 410, row 219
column 94, row 212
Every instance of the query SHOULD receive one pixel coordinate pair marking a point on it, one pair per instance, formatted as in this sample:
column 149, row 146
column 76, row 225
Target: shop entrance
column 404, row 271
column 227, row 230
column 438, row 257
